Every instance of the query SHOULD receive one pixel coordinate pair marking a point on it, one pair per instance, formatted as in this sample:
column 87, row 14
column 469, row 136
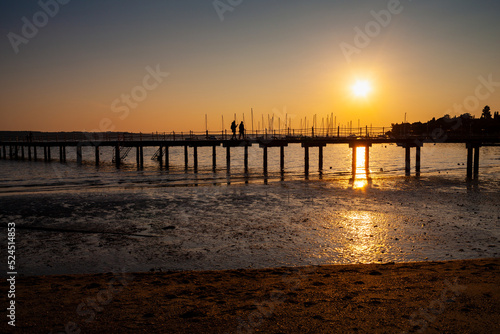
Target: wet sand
column 432, row 297
column 251, row 226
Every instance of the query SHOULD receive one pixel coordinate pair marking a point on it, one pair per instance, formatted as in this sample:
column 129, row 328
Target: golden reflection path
column 361, row 226
column 361, row 233
column 362, row 176
column 366, row 236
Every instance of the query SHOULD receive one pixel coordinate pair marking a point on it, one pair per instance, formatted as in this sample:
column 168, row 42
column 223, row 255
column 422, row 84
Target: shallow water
column 386, row 161
column 77, row 219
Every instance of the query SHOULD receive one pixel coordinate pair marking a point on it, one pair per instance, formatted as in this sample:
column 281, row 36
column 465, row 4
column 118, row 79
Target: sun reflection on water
column 365, row 243
column 362, row 177
column 360, row 183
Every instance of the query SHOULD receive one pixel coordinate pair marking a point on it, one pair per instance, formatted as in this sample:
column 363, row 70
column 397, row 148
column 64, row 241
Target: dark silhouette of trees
column 463, row 125
column 486, row 113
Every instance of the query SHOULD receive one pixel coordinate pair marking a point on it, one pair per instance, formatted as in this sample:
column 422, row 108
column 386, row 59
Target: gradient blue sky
column 281, row 57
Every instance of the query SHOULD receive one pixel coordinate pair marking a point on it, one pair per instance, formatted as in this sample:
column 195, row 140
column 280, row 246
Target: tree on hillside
column 486, row 112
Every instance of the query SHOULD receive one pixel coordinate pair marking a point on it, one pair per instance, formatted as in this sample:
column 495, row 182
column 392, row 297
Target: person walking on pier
column 233, row 129
column 242, row 130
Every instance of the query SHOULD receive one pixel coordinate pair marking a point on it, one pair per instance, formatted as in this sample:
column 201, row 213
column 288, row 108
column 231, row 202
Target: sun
column 361, row 88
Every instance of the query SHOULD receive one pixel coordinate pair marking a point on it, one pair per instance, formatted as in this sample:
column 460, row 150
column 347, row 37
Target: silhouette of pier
column 32, row 147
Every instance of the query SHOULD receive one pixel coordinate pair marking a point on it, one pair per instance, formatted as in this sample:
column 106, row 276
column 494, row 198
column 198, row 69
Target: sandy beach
column 423, row 297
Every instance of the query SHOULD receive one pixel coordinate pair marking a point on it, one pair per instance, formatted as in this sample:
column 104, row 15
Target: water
column 79, row 219
column 386, row 161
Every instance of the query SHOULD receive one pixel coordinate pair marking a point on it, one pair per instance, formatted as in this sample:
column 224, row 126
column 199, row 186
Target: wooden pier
column 30, row 147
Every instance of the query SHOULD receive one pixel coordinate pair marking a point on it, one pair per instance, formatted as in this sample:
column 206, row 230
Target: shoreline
column 449, row 296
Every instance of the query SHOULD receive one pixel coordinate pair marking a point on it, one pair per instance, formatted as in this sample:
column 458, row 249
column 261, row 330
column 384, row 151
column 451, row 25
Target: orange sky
column 90, row 67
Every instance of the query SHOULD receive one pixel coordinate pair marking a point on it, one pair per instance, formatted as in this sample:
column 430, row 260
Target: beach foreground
column 460, row 296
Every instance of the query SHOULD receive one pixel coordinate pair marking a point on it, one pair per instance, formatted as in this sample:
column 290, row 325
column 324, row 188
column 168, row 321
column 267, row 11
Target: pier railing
column 340, row 132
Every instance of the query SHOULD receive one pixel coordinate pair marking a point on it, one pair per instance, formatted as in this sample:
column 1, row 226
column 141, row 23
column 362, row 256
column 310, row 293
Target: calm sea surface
column 386, row 161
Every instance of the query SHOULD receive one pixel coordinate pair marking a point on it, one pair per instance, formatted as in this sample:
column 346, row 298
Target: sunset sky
column 162, row 65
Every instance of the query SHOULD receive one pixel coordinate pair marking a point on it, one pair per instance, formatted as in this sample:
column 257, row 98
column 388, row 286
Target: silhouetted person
column 233, row 129
column 242, row 130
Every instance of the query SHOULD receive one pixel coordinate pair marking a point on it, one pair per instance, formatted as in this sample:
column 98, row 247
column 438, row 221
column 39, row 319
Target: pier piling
column 264, row 149
column 320, row 154
column 141, row 149
column 476, row 162
column 246, row 158
column 367, row 159
column 97, row 155
column 354, row 157
column 195, row 158
column 282, row 158
column 167, row 160
column 417, row 161
column 79, row 155
column 117, row 155
column 473, row 160
column 407, row 160
column 214, row 158
column 306, row 160
column 160, row 155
